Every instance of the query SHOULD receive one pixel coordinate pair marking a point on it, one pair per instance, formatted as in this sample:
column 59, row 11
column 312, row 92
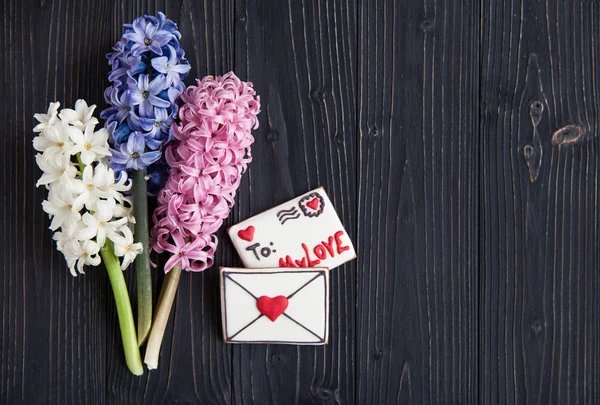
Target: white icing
column 305, row 320
column 286, row 331
column 284, row 283
column 305, row 306
column 243, row 304
column 301, row 224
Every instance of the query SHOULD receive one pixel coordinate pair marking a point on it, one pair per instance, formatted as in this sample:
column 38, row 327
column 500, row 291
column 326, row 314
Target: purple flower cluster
column 148, row 67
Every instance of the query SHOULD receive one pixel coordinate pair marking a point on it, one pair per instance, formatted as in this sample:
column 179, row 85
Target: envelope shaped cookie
column 303, row 232
column 287, row 306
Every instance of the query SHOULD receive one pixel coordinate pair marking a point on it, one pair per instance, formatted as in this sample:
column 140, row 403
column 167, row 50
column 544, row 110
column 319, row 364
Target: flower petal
column 132, row 97
column 86, row 233
column 181, row 68
column 76, row 135
column 40, row 143
column 69, row 115
column 134, row 36
column 143, row 82
column 161, row 38
column 87, row 157
column 135, row 143
column 158, row 102
column 160, row 64
column 150, row 157
column 173, row 260
column 158, row 84
column 118, row 157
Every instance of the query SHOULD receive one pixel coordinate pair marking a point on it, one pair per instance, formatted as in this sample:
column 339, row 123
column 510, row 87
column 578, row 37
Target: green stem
column 126, row 324
column 142, row 261
column 80, row 163
column 163, row 310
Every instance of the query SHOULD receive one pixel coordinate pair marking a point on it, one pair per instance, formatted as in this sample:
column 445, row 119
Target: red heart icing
column 247, row 234
column 314, row 203
column 272, row 308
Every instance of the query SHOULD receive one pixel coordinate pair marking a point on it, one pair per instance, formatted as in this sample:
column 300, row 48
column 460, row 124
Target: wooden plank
column 52, row 336
column 418, row 202
column 540, row 170
column 476, row 223
column 60, row 334
column 194, row 366
column 301, row 57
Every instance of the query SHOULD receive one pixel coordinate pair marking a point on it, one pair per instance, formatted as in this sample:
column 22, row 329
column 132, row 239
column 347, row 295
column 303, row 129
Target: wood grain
column 418, row 203
column 540, row 169
column 52, row 331
column 457, row 140
column 301, row 57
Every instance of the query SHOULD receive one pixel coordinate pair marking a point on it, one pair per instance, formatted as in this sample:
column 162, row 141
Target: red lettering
column 338, row 241
column 288, row 262
column 311, row 263
column 329, row 246
column 320, row 252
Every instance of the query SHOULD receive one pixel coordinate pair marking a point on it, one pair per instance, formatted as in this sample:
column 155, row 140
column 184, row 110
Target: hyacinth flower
column 91, row 216
column 208, row 155
column 148, row 67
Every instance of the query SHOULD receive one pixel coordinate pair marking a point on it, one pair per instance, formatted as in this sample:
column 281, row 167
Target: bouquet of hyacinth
column 91, row 216
column 148, row 67
column 208, row 155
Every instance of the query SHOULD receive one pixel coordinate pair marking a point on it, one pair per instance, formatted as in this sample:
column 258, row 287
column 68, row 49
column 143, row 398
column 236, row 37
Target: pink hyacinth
column 209, row 153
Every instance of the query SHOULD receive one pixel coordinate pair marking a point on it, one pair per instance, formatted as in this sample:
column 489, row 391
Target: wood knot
column 536, row 108
column 533, row 157
column 427, row 25
column 277, row 359
column 536, row 327
column 318, row 95
column 567, row 135
column 529, row 152
column 325, row 395
column 273, row 136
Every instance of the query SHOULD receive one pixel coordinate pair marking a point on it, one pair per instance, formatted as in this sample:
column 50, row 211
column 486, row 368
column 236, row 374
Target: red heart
column 272, row 308
column 247, row 234
column 314, row 203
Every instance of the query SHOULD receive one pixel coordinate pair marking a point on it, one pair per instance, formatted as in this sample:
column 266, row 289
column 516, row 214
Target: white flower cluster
column 86, row 204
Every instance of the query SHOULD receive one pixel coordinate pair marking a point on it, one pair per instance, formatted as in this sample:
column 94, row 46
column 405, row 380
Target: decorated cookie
column 275, row 305
column 303, row 232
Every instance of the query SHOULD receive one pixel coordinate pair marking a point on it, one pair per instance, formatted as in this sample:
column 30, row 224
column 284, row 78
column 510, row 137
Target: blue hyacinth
column 148, row 67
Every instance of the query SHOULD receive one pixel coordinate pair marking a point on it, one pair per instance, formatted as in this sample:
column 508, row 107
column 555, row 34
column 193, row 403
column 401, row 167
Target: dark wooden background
column 459, row 143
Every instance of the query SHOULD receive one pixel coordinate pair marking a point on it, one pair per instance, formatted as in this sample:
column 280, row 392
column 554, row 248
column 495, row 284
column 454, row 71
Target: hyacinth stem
column 80, row 163
column 142, row 261
column 163, row 310
column 126, row 323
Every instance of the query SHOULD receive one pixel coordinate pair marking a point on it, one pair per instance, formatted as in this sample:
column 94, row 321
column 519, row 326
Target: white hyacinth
column 85, row 203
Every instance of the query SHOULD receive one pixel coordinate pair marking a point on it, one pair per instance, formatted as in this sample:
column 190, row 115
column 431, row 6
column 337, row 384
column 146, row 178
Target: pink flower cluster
column 209, row 153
